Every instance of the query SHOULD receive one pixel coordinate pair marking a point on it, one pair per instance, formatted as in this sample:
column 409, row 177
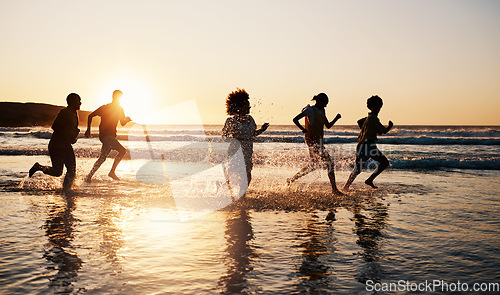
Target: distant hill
column 18, row 114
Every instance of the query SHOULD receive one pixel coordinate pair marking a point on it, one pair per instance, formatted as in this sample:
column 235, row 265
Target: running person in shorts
column 110, row 115
column 367, row 148
column 65, row 134
column 315, row 118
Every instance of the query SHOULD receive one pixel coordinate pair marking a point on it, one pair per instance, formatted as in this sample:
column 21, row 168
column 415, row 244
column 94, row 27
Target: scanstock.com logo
column 203, row 175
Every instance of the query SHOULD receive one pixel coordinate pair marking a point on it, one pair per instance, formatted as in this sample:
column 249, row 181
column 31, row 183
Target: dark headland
column 18, row 114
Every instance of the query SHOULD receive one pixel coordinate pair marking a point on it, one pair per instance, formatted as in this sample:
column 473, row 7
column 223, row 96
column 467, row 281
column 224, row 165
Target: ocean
column 433, row 226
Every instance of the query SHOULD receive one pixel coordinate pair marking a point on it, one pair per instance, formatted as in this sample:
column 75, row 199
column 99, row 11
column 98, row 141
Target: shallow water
column 126, row 238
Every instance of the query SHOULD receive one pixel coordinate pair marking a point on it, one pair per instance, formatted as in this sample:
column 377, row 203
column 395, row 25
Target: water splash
column 203, row 177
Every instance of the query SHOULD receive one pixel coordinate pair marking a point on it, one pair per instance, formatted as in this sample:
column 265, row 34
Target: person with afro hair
column 370, row 127
column 241, row 126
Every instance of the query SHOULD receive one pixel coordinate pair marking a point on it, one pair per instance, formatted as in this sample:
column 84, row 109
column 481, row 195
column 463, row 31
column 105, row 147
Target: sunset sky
column 433, row 62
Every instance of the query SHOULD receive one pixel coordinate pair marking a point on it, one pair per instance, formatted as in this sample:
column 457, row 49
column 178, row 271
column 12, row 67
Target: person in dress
column 241, row 126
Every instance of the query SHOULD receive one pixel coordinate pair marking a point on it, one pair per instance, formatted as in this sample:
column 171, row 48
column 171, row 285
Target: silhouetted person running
column 61, row 152
column 367, row 148
column 110, row 115
column 315, row 120
column 242, row 126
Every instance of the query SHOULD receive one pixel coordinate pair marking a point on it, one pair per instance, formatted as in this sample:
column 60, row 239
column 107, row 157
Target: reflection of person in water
column 238, row 234
column 65, row 134
column 110, row 115
column 370, row 127
column 315, row 117
column 59, row 231
column 314, row 273
column 369, row 223
column 241, row 125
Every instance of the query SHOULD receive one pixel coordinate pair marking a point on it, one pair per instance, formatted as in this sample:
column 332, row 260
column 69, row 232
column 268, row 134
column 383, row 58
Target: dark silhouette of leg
column 70, row 163
column 354, row 174
column 331, row 171
column 36, row 167
column 57, row 157
column 249, row 166
column 383, row 164
column 358, row 166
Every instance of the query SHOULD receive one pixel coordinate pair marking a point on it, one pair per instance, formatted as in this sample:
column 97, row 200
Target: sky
column 432, row 62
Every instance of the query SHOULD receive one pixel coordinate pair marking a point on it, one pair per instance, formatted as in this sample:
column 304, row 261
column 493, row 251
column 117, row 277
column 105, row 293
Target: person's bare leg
column 309, row 167
column 331, row 174
column 302, row 172
column 102, row 158
column 350, row 180
column 358, row 166
column 36, row 167
column 354, row 174
column 117, row 161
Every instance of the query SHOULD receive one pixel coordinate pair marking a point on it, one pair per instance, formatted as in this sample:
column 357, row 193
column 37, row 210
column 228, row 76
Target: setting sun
column 137, row 100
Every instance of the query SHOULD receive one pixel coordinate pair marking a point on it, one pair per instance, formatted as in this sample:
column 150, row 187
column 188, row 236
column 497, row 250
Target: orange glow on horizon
column 137, row 101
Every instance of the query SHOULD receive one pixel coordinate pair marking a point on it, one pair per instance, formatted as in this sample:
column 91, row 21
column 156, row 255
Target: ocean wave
column 435, row 164
column 36, row 134
column 18, row 129
column 22, row 152
column 422, row 140
column 490, row 133
column 404, row 131
column 288, row 134
column 199, row 153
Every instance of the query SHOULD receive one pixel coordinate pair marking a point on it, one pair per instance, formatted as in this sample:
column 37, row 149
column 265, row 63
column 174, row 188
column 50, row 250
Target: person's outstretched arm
column 361, row 122
column 381, row 129
column 330, row 124
column 124, row 120
column 89, row 122
column 389, row 127
column 297, row 123
column 262, row 129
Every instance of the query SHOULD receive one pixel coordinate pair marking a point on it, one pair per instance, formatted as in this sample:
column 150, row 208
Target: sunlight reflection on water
column 116, row 240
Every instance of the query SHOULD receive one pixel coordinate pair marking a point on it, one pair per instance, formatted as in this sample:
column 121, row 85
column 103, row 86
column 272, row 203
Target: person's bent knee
column 357, row 170
column 384, row 163
column 102, row 158
column 122, row 151
column 55, row 172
